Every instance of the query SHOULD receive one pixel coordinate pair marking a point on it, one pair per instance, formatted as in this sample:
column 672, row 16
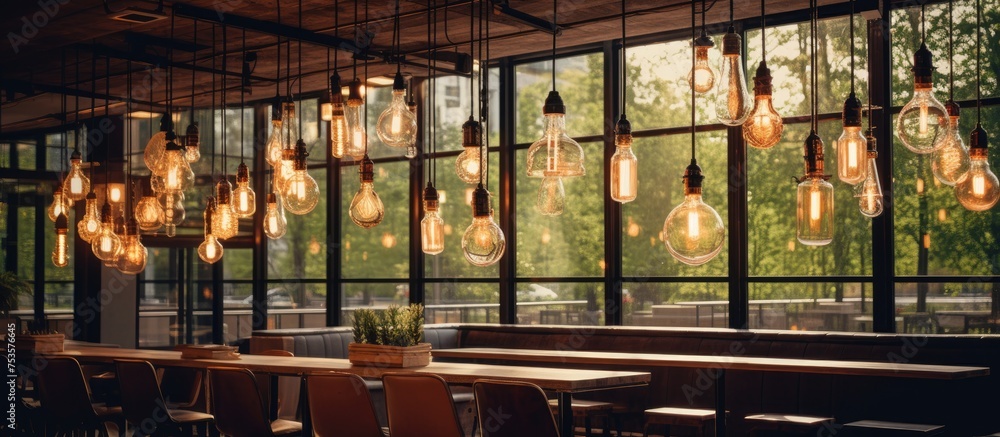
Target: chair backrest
column 181, row 385
column 64, row 393
column 513, row 409
column 420, row 405
column 142, row 401
column 288, row 388
column 339, row 404
column 236, row 403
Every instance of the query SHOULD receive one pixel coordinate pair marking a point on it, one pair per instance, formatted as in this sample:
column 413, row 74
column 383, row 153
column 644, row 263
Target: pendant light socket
column 623, row 126
column 62, row 223
column 354, row 93
column 224, row 191
column 166, row 122
column 192, row 135
column 554, row 104
column 242, row 174
column 978, row 142
column 923, row 67
column 814, row 156
column 704, row 40
column 271, row 198
column 276, row 109
column 431, row 196
column 335, row 89
column 762, row 80
column 732, row 43
column 481, row 202
column 870, row 138
column 299, row 163
column 472, row 133
column 852, row 111
column 952, row 107
column 693, row 178
column 367, row 169
column 398, row 83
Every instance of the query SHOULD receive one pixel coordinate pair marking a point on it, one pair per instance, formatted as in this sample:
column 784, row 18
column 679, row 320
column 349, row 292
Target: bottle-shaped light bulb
column 701, row 78
column 274, row 219
column 358, row 135
column 192, row 143
column 90, row 225
column 339, row 129
column 483, row 242
column 174, row 172
column 693, row 232
column 980, row 190
column 814, row 198
column 210, row 250
column 397, row 126
column 173, row 212
column 432, row 225
column 555, row 154
column 923, row 118
column 106, row 245
column 157, row 144
column 950, row 163
column 732, row 99
column 60, row 253
column 852, row 146
column 624, row 165
column 551, row 197
column 470, row 161
column 300, row 193
column 60, row 204
column 763, row 128
column 77, row 184
column 225, row 222
column 133, row 256
column 366, row 209
column 244, row 198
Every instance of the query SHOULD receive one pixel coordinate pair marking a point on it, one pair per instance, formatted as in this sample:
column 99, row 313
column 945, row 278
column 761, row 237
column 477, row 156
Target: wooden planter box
column 39, row 343
column 377, row 355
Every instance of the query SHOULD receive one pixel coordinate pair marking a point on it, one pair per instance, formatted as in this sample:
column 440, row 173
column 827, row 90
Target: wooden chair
column 238, row 408
column 145, row 407
column 513, row 409
column 589, row 410
column 65, row 399
column 876, row 428
column 702, row 420
column 787, row 423
column 420, row 405
column 340, row 405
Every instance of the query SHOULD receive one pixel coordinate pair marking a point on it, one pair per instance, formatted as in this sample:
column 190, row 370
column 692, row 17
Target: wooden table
column 564, row 382
column 721, row 363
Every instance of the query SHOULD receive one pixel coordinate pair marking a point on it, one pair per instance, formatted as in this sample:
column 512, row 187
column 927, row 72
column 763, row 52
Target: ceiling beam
column 159, row 61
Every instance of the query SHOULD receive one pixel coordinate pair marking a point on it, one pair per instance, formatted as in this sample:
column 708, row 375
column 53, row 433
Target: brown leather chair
column 513, row 409
column 144, row 406
column 65, row 399
column 181, row 386
column 420, row 405
column 238, row 408
column 286, row 404
column 340, row 405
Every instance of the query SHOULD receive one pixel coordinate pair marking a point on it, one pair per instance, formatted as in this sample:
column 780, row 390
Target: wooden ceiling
column 82, row 31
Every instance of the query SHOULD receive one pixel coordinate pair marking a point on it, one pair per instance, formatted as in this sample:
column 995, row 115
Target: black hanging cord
column 76, row 105
column 359, row 48
column 170, row 69
column 625, row 58
column 430, row 103
column 367, row 46
column 482, row 66
column 277, row 83
column 299, row 96
column 243, row 93
column 555, row 30
column 472, row 51
column 852, row 46
column 336, row 26
column 395, row 38
column 194, row 60
column 763, row 41
column 951, row 66
column 814, row 27
column 107, row 110
column 485, row 156
column 225, row 139
column 693, row 60
column 923, row 24
column 214, row 148
column 703, row 10
column 93, row 110
column 979, row 88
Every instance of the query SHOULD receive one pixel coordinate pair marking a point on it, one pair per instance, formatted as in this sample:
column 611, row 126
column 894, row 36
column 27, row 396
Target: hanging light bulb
column 397, row 127
column 852, row 146
column 245, row 198
column 366, row 209
column 133, row 255
column 148, row 212
column 411, row 150
column 226, row 224
column 60, row 254
column 555, row 154
column 483, row 242
column 980, row 190
column 814, row 213
column 732, row 99
column 90, row 225
column 173, row 212
column 77, row 184
column 624, row 165
column 923, row 118
column 285, row 169
column 701, row 78
column 60, row 204
column 210, row 250
column 470, row 161
column 358, row 136
column 432, row 225
column 192, row 142
column 106, row 245
column 551, row 197
column 301, row 192
column 174, row 172
column 764, row 126
column 157, row 143
column 869, row 192
column 275, row 144
column 339, row 129
column 693, row 232
column 950, row 163
column 274, row 219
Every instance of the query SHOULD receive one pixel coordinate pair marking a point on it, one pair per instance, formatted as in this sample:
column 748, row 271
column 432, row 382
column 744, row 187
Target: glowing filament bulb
column 60, row 253
column 274, row 218
column 432, row 225
column 90, row 225
column 77, row 184
column 980, row 190
column 366, row 208
column 950, row 163
column 246, row 200
column 870, row 193
column 624, row 165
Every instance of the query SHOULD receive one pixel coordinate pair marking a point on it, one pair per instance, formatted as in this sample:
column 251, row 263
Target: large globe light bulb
column 555, row 153
column 923, row 118
column 483, row 242
column 950, row 163
column 693, row 232
column 366, row 208
column 980, row 190
column 397, row 126
column 300, row 193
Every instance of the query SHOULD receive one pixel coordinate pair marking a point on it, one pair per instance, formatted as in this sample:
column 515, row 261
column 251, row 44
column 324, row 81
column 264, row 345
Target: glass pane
column 773, row 247
column 662, row 161
column 817, row 306
column 560, row 303
column 382, row 251
column 26, row 157
column 658, row 70
column 5, row 155
column 932, row 229
column 301, row 253
column 953, row 308
column 457, row 302
column 676, row 304
column 454, row 106
column 376, row 296
column 580, row 82
column 294, row 304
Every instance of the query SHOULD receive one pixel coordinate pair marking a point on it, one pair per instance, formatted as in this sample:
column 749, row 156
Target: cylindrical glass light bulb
column 814, row 212
column 244, row 198
column 624, row 165
column 225, row 223
column 339, row 131
column 173, row 212
column 432, row 225
column 192, row 143
column 357, row 134
column 851, row 155
column 133, row 257
column 60, row 253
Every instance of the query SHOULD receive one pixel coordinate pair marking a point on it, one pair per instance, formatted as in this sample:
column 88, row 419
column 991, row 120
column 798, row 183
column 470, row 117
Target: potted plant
column 389, row 338
column 11, row 288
